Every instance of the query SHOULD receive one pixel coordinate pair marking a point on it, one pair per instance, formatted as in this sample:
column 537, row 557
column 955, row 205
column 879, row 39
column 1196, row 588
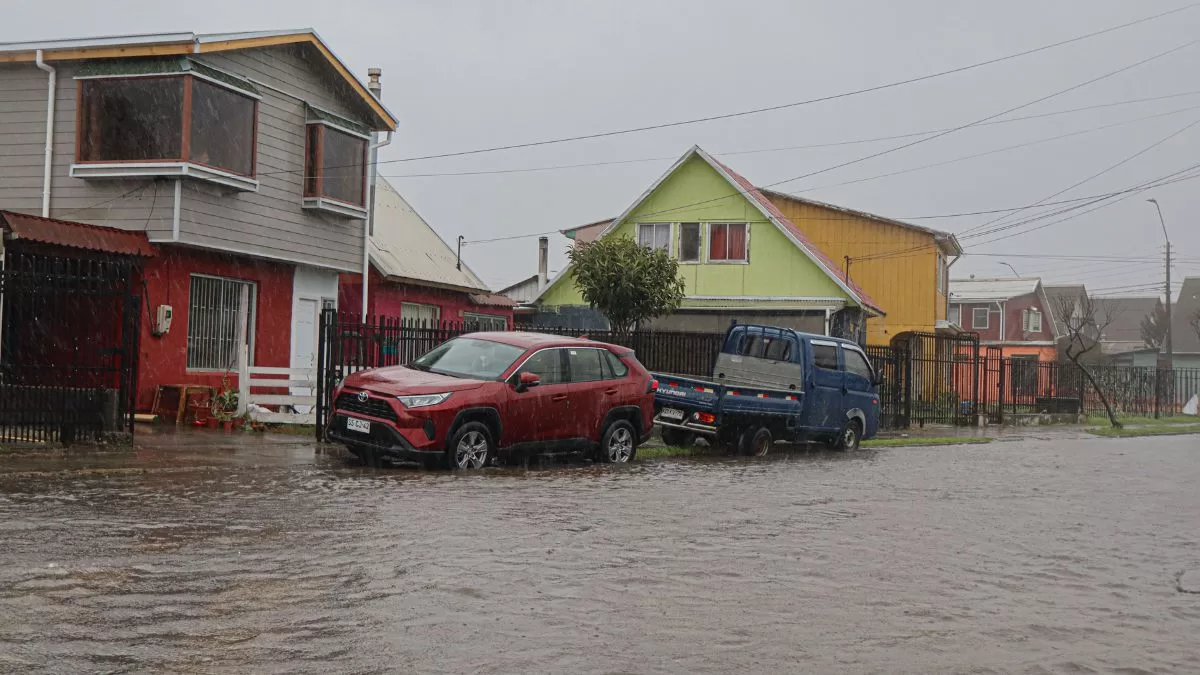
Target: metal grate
column 220, row 317
column 372, row 407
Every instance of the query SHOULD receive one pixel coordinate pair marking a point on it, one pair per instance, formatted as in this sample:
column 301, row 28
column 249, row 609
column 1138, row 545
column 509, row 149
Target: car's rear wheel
column 471, row 447
column 677, row 437
column 618, row 444
column 756, row 442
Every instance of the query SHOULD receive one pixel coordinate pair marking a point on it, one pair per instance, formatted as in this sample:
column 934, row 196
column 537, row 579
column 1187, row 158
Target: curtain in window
column 737, row 242
column 717, row 241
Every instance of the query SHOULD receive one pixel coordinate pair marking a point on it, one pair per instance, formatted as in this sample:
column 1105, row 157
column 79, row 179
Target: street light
column 1170, row 347
column 1014, row 270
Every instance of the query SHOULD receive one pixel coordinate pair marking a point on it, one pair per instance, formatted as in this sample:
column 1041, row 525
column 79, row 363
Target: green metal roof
column 166, row 65
column 316, row 114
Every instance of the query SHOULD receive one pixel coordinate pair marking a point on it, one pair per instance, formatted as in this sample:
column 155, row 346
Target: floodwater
column 1051, row 555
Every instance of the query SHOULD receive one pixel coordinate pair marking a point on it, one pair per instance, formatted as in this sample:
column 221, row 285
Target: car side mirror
column 526, row 381
column 877, row 379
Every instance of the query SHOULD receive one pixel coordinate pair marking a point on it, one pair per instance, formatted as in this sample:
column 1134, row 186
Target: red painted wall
column 385, row 297
column 1012, row 320
column 168, row 281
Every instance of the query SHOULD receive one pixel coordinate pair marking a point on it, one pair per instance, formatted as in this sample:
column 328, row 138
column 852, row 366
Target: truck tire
column 755, row 442
column 677, row 437
column 850, row 437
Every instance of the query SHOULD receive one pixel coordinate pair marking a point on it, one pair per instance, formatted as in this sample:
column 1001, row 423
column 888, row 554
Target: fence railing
column 926, row 379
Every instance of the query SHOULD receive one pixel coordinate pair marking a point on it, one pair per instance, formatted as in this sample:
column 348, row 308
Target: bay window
column 727, row 242
column 193, row 122
column 335, row 165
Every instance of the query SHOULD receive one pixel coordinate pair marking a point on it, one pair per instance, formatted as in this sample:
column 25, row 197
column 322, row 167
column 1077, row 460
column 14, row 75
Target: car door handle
column 609, row 392
column 558, row 397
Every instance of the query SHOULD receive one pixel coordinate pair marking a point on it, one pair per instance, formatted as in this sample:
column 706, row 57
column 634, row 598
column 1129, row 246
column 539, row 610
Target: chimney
column 543, row 262
column 373, row 82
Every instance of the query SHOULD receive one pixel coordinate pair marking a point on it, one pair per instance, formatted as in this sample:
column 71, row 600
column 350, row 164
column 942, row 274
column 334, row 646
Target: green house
column 739, row 256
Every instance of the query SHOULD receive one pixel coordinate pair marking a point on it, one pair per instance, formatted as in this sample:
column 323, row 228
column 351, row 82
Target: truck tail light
column 706, row 418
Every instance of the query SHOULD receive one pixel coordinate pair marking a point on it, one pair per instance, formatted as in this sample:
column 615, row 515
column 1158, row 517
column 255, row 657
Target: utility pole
column 847, row 269
column 458, row 260
column 1170, row 346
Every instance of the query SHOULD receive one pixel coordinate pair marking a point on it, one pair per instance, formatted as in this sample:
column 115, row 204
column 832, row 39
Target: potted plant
column 224, row 407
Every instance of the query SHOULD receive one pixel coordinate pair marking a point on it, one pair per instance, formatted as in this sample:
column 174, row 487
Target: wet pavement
column 261, row 555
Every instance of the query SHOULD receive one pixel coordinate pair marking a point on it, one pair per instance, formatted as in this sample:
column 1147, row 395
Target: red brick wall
column 168, row 281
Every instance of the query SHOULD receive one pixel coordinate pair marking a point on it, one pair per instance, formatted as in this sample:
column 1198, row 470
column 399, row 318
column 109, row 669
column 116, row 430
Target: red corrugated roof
column 753, row 193
column 493, row 300
column 76, row 235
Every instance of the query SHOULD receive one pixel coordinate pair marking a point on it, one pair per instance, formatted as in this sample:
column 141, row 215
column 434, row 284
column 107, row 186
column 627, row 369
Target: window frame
column 987, row 318
column 866, row 361
column 941, row 273
column 468, row 317
column 316, row 198
column 604, row 368
column 437, row 311
column 564, row 365
column 837, row 368
column 744, row 260
column 181, row 166
column 1027, row 317
column 251, row 321
column 954, row 315
column 700, row 239
column 656, row 224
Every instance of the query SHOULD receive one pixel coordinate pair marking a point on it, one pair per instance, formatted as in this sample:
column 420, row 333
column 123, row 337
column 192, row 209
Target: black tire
column 619, row 443
column 851, row 436
column 470, row 448
column 677, row 437
column 755, row 442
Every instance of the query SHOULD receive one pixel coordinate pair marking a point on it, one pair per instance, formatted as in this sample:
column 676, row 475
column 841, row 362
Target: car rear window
column 615, row 368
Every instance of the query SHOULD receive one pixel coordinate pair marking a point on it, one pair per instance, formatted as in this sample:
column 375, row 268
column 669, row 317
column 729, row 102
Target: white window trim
column 335, row 206
column 486, row 318
column 987, row 318
column 1028, row 316
column 163, row 170
column 670, row 235
column 251, row 324
column 700, row 233
column 954, row 315
column 437, row 311
column 708, row 238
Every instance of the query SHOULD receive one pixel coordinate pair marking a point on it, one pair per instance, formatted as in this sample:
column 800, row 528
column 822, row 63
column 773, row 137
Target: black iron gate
column 69, row 331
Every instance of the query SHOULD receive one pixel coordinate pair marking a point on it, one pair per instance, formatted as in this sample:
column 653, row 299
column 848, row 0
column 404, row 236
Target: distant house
column 1073, row 294
column 417, row 276
column 586, row 233
column 1185, row 325
column 1013, row 314
column 740, row 257
column 1121, row 321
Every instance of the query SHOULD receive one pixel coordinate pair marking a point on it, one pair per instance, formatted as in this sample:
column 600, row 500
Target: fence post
column 1000, row 394
column 322, row 362
column 243, row 379
column 1157, row 391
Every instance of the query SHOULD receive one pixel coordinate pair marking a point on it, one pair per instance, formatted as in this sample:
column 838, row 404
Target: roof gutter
column 51, row 85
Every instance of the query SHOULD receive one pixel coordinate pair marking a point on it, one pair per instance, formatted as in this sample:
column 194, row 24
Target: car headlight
column 423, row 400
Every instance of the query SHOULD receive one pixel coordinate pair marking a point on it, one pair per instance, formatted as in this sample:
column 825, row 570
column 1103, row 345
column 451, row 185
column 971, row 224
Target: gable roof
column 169, row 44
column 405, row 248
column 769, row 211
column 1184, row 338
column 945, row 240
column 1056, row 293
column 1124, row 317
column 991, row 290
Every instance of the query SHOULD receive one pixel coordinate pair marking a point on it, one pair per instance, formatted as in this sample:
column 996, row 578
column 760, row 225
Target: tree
column 1083, row 318
column 1195, row 322
column 628, row 283
column 1154, row 327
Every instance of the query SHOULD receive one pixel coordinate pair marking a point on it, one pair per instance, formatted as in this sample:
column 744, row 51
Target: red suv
column 488, row 393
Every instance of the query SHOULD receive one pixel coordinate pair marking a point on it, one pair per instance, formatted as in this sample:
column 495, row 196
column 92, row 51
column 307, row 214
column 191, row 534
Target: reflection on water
column 1047, row 555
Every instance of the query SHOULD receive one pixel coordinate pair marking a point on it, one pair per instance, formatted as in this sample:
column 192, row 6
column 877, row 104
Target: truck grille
column 372, row 407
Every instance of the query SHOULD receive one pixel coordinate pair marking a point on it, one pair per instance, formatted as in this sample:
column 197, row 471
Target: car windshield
column 468, row 357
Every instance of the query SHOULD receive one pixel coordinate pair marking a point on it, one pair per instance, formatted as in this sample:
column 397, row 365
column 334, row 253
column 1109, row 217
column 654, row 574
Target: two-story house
column 245, row 159
column 740, row 257
column 1013, row 314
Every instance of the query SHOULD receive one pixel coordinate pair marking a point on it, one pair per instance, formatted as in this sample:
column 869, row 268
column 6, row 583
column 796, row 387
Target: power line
column 755, row 111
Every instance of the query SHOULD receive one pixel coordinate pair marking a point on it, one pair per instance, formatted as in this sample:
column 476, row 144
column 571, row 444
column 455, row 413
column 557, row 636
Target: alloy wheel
column 620, row 446
column 472, row 451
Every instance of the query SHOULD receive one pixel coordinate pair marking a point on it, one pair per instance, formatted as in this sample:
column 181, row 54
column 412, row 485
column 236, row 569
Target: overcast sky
column 473, row 74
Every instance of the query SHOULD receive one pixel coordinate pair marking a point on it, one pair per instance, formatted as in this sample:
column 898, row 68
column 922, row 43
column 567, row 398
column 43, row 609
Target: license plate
column 671, row 414
column 361, row 426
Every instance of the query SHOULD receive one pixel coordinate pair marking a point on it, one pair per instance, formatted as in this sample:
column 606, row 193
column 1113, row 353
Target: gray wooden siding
column 269, row 223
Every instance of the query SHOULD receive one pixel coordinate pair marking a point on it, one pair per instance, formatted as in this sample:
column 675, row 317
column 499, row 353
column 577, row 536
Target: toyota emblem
column 362, row 397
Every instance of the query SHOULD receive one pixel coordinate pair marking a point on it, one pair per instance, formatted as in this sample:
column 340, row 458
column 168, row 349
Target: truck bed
column 679, row 400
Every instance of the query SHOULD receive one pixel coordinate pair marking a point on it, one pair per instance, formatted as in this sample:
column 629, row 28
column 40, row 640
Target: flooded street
column 1045, row 555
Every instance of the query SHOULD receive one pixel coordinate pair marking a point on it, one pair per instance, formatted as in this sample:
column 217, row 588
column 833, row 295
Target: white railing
column 295, row 407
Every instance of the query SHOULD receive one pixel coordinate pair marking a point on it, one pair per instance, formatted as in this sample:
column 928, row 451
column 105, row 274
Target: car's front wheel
column 471, row 447
column 618, row 444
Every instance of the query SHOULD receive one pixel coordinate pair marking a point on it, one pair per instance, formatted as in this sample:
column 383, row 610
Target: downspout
column 947, row 290
column 51, row 86
column 376, row 89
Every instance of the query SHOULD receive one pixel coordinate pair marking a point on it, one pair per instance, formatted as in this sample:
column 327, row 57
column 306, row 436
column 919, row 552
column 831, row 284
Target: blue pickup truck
column 773, row 384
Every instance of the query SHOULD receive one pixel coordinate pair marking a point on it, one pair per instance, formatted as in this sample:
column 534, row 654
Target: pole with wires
column 1168, row 342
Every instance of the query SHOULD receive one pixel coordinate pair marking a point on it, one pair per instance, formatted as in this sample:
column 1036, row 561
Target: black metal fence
column 926, row 379
column 68, row 345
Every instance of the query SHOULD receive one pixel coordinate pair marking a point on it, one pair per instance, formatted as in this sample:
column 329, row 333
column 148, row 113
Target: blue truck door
column 825, row 408
column 860, row 389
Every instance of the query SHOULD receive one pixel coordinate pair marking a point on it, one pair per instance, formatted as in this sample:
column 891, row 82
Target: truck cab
column 771, row 383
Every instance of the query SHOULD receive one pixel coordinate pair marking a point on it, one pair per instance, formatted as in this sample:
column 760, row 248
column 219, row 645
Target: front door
column 825, row 404
column 543, row 413
column 304, row 341
column 860, row 387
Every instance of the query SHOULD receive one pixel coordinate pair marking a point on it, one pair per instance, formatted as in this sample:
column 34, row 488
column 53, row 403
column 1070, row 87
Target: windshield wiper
column 417, row 366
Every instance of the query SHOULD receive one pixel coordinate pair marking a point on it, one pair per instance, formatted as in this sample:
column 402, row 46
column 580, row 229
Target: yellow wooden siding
column 903, row 282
